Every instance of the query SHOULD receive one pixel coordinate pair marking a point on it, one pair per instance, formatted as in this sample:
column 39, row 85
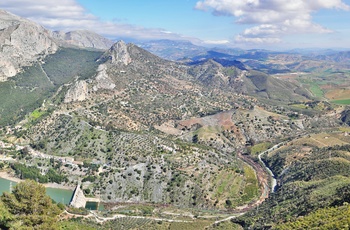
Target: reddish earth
column 221, row 119
column 338, row 94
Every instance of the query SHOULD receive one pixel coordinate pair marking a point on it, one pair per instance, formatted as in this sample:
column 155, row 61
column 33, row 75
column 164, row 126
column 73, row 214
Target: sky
column 271, row 24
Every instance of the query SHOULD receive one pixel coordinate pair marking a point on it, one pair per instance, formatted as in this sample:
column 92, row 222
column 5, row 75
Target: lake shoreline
column 8, row 176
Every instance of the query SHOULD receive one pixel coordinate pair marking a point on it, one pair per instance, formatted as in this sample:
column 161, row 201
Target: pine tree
column 30, row 207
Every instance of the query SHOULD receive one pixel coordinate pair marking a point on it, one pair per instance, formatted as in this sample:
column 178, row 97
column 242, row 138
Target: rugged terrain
column 312, row 173
column 83, row 39
column 141, row 132
column 22, row 42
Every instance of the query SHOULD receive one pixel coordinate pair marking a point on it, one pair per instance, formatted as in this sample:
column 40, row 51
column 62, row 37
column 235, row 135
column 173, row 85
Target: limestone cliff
column 78, row 92
column 84, row 39
column 22, row 42
column 103, row 81
column 119, row 53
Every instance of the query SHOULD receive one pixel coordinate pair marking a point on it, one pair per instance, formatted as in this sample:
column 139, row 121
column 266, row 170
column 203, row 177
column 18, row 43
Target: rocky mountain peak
column 119, row 53
column 84, row 39
column 7, row 19
column 127, row 54
column 22, row 42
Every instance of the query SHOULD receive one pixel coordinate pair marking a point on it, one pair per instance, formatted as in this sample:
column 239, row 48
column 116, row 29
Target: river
column 59, row 195
column 273, row 179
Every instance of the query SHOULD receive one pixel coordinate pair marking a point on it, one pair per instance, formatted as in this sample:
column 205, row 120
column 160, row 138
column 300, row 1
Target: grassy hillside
column 259, row 84
column 68, row 63
column 325, row 218
column 23, row 93
column 28, row 89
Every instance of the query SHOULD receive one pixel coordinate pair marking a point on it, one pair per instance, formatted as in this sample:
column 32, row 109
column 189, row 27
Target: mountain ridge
column 142, row 130
column 83, row 39
column 22, row 43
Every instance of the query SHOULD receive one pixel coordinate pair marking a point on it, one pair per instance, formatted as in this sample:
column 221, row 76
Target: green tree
column 31, row 207
column 5, row 217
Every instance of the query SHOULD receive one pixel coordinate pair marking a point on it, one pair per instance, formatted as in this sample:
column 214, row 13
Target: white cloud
column 259, row 40
column 69, row 15
column 46, row 9
column 273, row 18
column 216, row 42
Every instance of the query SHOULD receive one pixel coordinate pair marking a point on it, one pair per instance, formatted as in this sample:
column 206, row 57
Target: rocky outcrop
column 103, row 81
column 22, row 42
column 119, row 53
column 84, row 39
column 78, row 92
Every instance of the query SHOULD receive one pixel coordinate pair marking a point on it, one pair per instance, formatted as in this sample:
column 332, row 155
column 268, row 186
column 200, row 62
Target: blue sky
column 175, row 16
column 272, row 24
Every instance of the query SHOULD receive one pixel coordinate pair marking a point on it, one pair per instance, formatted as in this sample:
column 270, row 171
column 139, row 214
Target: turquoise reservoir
column 59, row 195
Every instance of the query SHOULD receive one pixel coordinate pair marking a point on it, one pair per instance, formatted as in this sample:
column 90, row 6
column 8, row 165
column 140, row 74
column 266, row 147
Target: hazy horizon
column 248, row 24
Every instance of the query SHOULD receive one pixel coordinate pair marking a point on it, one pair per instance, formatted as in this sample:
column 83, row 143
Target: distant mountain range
column 84, row 39
column 170, row 123
column 270, row 62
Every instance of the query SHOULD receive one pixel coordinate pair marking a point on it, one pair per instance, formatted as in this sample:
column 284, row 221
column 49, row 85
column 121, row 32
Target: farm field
column 330, row 85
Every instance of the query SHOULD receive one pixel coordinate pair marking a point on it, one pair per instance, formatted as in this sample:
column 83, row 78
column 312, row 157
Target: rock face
column 78, row 92
column 103, row 81
column 22, row 42
column 84, row 39
column 119, row 53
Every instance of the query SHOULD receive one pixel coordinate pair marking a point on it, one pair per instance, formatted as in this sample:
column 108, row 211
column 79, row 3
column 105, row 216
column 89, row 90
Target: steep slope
column 133, row 127
column 146, row 129
column 34, row 64
column 239, row 79
column 22, row 42
column 35, row 84
column 150, row 90
column 261, row 85
column 213, row 74
column 345, row 117
column 83, row 39
column 160, row 131
column 328, row 218
column 109, row 119
column 312, row 173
